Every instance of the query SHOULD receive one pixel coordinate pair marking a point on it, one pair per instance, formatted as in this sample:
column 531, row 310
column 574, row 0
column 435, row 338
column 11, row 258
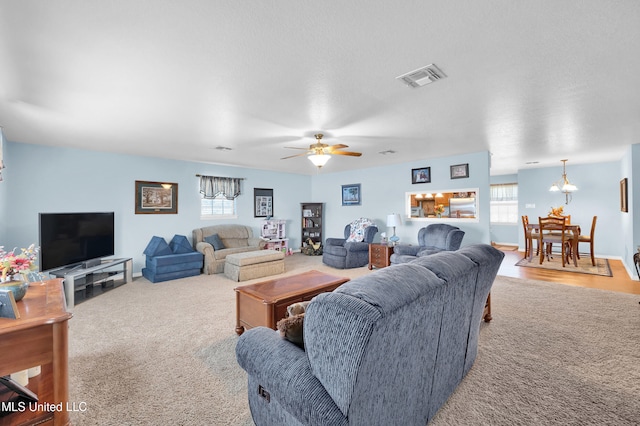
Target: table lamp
column 394, row 220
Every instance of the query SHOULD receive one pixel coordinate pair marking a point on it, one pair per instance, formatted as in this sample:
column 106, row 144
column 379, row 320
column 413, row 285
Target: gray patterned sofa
column 388, row 348
column 231, row 239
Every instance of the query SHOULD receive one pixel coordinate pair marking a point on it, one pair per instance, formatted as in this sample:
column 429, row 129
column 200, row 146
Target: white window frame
column 506, row 208
column 207, row 206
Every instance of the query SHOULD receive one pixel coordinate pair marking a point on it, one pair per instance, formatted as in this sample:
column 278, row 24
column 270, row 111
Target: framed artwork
column 460, row 171
column 422, row 175
column 623, row 196
column 156, row 197
column 262, row 202
column 351, row 195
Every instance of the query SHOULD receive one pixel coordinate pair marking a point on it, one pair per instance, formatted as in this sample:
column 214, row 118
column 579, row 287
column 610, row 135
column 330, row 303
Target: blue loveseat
column 388, row 348
column 171, row 261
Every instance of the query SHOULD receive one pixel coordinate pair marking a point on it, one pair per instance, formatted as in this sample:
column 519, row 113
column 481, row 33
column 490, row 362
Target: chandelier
column 563, row 184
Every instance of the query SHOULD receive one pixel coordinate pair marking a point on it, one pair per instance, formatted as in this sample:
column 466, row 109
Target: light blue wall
column 45, row 179
column 598, row 195
column 630, row 222
column 384, row 189
column 501, row 232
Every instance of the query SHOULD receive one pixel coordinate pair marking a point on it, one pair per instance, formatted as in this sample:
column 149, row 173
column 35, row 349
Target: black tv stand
column 79, row 277
column 91, row 263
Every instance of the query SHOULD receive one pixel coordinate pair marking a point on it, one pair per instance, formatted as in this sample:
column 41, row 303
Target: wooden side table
column 39, row 337
column 379, row 255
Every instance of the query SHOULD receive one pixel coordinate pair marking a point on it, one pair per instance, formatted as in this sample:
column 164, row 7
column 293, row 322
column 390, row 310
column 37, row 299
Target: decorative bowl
column 19, row 288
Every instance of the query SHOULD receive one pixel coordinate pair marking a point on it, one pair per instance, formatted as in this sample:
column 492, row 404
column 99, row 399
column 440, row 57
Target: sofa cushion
column 173, row 259
column 215, row 241
column 336, row 250
column 235, row 242
column 180, row 244
column 157, row 247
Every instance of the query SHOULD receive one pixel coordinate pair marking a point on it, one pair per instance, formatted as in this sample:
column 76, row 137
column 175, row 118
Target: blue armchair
column 348, row 252
column 432, row 239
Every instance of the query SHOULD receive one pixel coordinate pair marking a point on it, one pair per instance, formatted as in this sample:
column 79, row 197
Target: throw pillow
column 180, row 244
column 357, row 229
column 157, row 247
column 291, row 327
column 215, row 241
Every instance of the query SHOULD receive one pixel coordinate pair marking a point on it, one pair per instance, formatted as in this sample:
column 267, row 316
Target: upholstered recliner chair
column 352, row 251
column 432, row 239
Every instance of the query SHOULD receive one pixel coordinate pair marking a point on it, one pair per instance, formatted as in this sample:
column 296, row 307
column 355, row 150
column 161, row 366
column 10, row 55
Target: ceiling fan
column 319, row 153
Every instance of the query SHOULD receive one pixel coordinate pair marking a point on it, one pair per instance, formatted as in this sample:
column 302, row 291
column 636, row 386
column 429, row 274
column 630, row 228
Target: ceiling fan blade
column 353, row 154
column 292, row 156
column 295, row 147
column 337, row 146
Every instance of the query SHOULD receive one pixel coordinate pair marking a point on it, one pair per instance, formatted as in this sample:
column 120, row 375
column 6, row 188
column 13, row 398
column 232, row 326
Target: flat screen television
column 70, row 239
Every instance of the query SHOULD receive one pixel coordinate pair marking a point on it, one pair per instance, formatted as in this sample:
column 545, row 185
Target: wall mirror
column 452, row 205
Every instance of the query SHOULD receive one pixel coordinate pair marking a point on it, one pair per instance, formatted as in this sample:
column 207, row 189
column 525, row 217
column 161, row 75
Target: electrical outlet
column 529, row 206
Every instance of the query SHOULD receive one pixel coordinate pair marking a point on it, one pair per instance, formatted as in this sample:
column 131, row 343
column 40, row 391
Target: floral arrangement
column 557, row 211
column 11, row 263
column 439, row 209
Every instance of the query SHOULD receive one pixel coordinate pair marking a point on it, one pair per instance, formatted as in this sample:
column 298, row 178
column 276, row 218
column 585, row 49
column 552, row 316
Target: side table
column 39, row 337
column 379, row 255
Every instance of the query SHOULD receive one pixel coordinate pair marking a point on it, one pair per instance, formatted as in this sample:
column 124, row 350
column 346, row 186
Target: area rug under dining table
column 555, row 263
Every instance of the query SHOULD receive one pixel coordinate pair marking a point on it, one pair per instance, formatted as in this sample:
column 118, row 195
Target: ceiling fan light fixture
column 319, row 160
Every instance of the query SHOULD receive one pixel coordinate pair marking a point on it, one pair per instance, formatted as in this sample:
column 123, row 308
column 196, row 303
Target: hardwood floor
column 620, row 281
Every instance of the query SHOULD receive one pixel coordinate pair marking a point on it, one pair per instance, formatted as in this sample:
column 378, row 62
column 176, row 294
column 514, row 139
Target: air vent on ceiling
column 422, row 76
column 223, row 148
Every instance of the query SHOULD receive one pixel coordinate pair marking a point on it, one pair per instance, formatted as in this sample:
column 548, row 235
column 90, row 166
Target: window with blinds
column 504, row 203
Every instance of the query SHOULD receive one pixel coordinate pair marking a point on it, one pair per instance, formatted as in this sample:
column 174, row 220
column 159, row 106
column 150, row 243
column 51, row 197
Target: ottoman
column 253, row 264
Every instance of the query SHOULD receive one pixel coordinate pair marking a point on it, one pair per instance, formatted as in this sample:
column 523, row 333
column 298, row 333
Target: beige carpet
column 584, row 265
column 163, row 354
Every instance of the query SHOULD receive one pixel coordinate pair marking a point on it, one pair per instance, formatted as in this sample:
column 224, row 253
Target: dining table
column 534, row 228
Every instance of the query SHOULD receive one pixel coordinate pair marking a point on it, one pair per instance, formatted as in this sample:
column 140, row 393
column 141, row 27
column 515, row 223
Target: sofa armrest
column 283, row 370
column 356, row 246
column 205, row 248
column 256, row 242
column 406, row 250
column 335, row 241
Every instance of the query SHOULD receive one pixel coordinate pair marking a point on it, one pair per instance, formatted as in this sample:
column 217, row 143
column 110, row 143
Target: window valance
column 504, row 192
column 213, row 186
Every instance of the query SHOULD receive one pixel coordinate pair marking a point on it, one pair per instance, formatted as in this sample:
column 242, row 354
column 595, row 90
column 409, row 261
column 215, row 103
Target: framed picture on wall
column 460, row 171
column 422, row 175
column 262, row 202
column 351, row 195
column 156, row 197
column 623, row 196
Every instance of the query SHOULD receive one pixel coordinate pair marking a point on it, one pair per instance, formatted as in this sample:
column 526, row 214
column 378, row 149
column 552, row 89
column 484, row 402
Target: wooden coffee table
column 265, row 303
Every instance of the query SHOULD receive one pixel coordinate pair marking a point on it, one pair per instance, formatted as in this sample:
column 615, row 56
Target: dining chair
column 553, row 230
column 589, row 239
column 528, row 238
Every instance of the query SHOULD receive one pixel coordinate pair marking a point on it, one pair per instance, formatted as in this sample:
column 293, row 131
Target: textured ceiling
column 529, row 81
